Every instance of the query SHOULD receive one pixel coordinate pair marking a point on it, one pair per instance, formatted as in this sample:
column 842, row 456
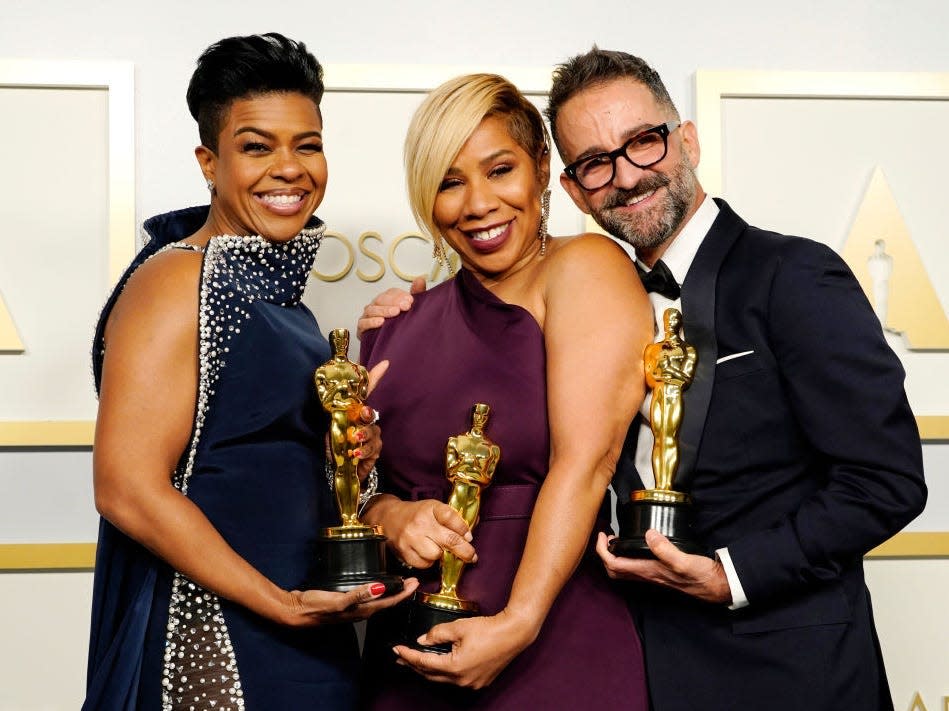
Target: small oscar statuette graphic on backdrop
column 353, row 553
column 669, row 366
column 470, row 461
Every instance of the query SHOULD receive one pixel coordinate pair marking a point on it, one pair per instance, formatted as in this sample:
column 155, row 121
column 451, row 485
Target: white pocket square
column 724, row 359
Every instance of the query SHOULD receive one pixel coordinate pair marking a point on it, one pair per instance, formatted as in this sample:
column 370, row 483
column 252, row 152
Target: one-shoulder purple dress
column 458, row 345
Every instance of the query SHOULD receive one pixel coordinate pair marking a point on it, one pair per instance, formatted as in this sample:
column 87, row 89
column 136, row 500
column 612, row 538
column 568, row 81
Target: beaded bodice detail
column 260, row 269
column 200, row 666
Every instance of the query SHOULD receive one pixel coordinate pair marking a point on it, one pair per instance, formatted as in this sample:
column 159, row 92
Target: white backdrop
column 44, row 615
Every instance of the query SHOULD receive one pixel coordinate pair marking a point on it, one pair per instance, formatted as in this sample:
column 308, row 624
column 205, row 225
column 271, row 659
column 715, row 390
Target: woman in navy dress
column 549, row 332
column 209, row 449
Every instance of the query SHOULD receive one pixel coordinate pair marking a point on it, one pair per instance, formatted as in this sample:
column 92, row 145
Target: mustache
column 621, row 196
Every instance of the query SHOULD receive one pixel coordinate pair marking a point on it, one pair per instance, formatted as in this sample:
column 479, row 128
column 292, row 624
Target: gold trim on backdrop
column 47, row 556
column 79, row 433
column 911, row 544
column 81, row 556
column 61, row 433
column 711, row 87
column 933, row 428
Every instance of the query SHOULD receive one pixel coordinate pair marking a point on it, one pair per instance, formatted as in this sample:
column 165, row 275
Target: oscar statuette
column 470, row 461
column 669, row 366
column 353, row 553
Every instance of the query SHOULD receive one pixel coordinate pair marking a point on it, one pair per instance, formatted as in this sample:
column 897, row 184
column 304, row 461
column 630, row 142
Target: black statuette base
column 672, row 519
column 346, row 563
column 422, row 617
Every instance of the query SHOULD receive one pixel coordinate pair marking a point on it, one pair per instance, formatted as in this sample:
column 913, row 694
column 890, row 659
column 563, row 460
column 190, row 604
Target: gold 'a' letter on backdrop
column 9, row 339
column 881, row 253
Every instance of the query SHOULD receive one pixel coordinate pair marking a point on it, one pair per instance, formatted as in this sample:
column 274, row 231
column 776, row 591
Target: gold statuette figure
column 353, row 553
column 470, row 460
column 342, row 387
column 669, row 365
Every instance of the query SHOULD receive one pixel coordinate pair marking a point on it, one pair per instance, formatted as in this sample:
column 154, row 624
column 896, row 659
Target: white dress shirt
column 678, row 258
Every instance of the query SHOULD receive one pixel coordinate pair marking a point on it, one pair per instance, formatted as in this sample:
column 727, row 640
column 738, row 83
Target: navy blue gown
column 255, row 467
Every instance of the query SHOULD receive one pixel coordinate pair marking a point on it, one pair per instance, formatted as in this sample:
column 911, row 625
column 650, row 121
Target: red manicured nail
column 377, row 589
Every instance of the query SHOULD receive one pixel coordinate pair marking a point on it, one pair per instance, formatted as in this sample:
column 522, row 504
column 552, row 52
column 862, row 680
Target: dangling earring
column 438, row 252
column 544, row 216
column 210, row 184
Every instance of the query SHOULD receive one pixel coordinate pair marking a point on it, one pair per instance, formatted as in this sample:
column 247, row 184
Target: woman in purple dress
column 548, row 332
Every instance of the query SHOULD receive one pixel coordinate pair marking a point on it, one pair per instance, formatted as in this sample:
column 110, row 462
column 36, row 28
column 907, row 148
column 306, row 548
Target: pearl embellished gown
column 255, row 467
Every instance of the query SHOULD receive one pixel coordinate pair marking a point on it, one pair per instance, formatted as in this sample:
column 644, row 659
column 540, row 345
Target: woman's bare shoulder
column 588, row 240
column 579, row 254
column 162, row 293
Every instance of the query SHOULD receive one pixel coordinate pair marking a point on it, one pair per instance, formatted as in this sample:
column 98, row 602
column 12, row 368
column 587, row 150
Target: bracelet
column 370, row 492
column 364, row 504
column 330, row 473
column 372, row 485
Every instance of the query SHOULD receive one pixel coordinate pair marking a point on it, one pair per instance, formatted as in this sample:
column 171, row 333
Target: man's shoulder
column 770, row 244
column 764, row 240
column 759, row 259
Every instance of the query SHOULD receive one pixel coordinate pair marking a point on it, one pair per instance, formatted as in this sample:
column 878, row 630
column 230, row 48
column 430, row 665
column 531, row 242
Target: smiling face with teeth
column 269, row 170
column 488, row 204
column 645, row 207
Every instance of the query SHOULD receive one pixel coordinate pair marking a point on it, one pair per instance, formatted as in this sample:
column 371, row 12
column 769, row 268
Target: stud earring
column 210, row 184
column 544, row 216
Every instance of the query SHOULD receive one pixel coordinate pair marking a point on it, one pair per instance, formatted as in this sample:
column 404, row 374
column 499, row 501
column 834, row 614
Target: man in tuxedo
column 797, row 443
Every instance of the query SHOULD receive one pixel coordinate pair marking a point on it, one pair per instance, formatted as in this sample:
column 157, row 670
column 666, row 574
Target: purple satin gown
column 458, row 345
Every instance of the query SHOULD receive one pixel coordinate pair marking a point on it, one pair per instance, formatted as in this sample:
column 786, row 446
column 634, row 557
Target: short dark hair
column 599, row 66
column 242, row 67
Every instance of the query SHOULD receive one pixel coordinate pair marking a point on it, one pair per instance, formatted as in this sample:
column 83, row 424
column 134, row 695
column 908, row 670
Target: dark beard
column 669, row 215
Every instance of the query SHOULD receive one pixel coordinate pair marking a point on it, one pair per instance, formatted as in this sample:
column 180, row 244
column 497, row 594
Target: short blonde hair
column 446, row 120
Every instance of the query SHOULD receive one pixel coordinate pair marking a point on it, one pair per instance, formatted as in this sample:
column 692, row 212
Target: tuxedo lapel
column 698, row 318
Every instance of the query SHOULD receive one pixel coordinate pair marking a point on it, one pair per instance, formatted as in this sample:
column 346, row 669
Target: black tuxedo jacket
column 800, row 457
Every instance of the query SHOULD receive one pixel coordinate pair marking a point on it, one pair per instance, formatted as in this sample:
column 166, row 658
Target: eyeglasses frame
column 663, row 129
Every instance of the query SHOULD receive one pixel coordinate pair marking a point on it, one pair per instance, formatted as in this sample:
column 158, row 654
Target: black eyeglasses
column 642, row 150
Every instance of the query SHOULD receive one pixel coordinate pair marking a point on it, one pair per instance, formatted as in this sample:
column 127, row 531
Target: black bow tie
column 659, row 280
